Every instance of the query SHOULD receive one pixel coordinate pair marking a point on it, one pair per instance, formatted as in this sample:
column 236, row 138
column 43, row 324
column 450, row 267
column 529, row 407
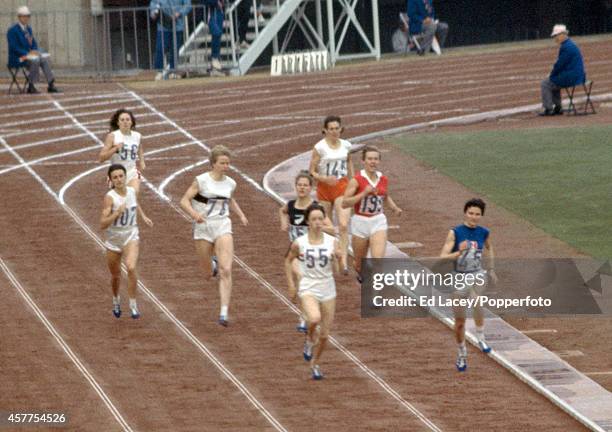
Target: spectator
column 170, row 27
column 24, row 52
column 216, row 16
column 568, row 71
column 423, row 23
column 400, row 40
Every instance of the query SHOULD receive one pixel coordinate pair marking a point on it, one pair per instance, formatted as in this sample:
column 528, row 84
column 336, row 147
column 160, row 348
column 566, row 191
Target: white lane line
column 209, row 355
column 381, row 382
column 78, row 177
column 97, row 95
column 109, row 404
column 175, row 174
column 538, row 331
column 31, row 113
column 598, row 373
column 191, row 137
column 25, row 164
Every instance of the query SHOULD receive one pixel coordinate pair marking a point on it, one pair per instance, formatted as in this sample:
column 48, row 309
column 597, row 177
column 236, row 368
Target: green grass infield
column 559, row 179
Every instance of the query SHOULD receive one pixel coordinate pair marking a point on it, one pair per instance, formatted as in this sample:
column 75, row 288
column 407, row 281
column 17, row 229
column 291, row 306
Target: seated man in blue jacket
column 23, row 51
column 423, row 23
column 568, row 71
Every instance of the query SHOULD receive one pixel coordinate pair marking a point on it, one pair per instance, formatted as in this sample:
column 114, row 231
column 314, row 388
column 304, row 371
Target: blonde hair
column 217, row 151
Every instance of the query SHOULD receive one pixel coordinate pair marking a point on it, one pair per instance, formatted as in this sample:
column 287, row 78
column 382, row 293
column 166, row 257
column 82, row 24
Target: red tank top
column 371, row 205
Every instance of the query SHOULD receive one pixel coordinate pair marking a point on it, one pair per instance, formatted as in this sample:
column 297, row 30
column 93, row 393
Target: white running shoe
column 134, row 313
column 484, row 346
column 307, row 350
column 159, row 76
column 461, row 362
column 216, row 64
column 316, row 373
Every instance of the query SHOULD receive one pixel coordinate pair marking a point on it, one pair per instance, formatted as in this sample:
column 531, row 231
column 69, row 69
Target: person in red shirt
column 367, row 192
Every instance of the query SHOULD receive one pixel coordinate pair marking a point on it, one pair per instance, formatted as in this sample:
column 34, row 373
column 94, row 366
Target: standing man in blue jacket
column 423, row 23
column 23, row 51
column 169, row 15
column 568, row 71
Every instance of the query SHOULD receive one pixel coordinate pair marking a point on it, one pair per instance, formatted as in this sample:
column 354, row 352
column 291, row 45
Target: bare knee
column 225, row 271
column 343, row 227
column 131, row 268
column 314, row 319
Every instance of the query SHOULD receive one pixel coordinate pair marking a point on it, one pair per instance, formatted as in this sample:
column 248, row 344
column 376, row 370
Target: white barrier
column 298, row 63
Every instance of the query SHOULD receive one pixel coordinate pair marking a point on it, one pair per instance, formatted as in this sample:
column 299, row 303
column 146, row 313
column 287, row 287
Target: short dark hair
column 370, row 148
column 312, row 207
column 114, row 121
column 115, row 167
column 475, row 202
column 331, row 119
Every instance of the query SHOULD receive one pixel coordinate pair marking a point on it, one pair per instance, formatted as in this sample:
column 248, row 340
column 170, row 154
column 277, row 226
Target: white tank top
column 128, row 154
column 129, row 218
column 316, row 260
column 333, row 161
column 213, row 196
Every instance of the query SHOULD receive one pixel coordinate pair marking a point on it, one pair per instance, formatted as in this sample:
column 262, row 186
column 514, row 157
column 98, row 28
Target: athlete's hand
column 493, row 276
column 369, row 190
column 117, row 147
column 292, row 291
column 199, row 218
column 329, row 180
column 244, row 220
column 284, row 225
column 147, row 221
column 121, row 209
column 397, row 211
column 142, row 165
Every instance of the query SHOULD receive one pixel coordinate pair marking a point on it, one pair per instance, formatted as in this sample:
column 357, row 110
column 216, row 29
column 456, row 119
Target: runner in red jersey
column 367, row 192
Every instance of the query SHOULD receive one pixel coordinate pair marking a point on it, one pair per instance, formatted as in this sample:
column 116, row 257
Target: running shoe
column 134, row 313
column 484, row 347
column 223, row 321
column 461, row 362
column 316, row 373
column 345, row 271
column 359, row 279
column 301, row 327
column 307, row 350
column 117, row 310
column 215, row 266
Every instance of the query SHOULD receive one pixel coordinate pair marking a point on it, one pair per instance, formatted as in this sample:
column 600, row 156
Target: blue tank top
column 470, row 259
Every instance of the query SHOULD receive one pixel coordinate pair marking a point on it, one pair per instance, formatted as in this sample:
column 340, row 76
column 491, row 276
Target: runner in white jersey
column 120, row 220
column 122, row 146
column 292, row 217
column 318, row 253
column 331, row 167
column 208, row 201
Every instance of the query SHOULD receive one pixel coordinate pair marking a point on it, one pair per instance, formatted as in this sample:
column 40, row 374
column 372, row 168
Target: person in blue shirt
column 464, row 245
column 568, row 71
column 423, row 23
column 23, row 51
column 169, row 15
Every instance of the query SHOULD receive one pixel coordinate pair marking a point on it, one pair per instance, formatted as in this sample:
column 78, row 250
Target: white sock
column 133, row 304
column 116, row 300
column 224, row 311
column 462, row 348
column 302, row 322
column 480, row 333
